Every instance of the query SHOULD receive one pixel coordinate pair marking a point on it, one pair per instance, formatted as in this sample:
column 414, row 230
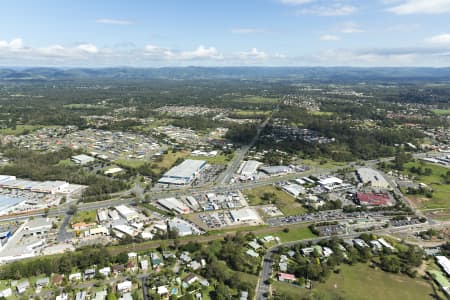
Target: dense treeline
column 46, row 166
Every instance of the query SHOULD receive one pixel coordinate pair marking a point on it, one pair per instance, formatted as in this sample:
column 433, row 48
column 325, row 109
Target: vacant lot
column 293, row 233
column 442, row 112
column 257, row 99
column 266, row 194
column 441, row 191
column 89, row 216
column 362, row 282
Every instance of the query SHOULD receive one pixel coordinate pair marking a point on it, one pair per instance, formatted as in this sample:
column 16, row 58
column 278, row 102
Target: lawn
column 88, row 216
column 169, row 159
column 362, row 282
column 249, row 113
column 322, row 163
column 130, row 163
column 257, row 99
column 321, row 113
column 441, row 194
column 285, row 202
column 293, row 234
column 221, row 159
column 441, row 112
column 22, row 129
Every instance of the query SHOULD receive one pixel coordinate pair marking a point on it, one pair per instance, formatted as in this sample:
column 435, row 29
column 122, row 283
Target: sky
column 157, row 33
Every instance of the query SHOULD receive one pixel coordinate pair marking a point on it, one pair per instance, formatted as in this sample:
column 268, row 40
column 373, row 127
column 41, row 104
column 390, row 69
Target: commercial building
column 127, row 213
column 244, row 215
column 444, row 262
column 249, row 168
column 293, row 189
column 82, row 159
column 372, row 177
column 183, row 173
column 275, row 170
column 373, row 199
column 174, row 204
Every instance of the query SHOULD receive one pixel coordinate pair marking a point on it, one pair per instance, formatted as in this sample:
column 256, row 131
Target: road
column 232, row 167
column 263, row 288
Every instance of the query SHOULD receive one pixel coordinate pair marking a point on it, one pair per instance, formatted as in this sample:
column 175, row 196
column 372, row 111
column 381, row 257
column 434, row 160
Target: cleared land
column 257, row 99
column 89, row 216
column 441, row 191
column 221, row 159
column 442, row 112
column 266, row 194
column 363, row 282
column 23, row 129
column 293, row 234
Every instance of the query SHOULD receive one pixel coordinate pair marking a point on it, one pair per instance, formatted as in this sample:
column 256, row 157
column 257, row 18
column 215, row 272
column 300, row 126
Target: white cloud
column 408, row 7
column 349, row 27
column 89, row 48
column 252, row 54
column 13, row 45
column 201, row 52
column 114, row 21
column 329, row 37
column 440, row 39
column 247, row 30
column 335, row 9
column 295, row 2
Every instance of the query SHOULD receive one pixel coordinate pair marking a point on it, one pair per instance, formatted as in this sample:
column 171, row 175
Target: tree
column 391, row 263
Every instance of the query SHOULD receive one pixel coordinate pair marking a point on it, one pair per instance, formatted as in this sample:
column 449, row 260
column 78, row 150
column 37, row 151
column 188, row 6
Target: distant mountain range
column 316, row 74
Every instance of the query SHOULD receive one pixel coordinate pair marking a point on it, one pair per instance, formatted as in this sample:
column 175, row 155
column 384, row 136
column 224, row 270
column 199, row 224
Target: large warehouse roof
column 367, row 175
column 186, row 169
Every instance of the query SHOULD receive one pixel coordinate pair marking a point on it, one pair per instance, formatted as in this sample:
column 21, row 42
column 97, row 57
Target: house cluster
column 124, row 221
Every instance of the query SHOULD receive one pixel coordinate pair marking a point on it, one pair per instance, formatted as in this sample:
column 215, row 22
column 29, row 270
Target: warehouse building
column 249, row 168
column 183, row 173
column 127, row 213
column 82, row 159
column 175, row 205
column 372, row 177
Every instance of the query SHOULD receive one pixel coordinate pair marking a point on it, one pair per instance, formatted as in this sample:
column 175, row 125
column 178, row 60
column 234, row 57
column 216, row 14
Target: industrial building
column 372, row 177
column 249, row 168
column 244, row 215
column 275, row 170
column 127, row 213
column 183, row 173
column 48, row 187
column 373, row 199
column 82, row 159
column 175, row 205
column 293, row 189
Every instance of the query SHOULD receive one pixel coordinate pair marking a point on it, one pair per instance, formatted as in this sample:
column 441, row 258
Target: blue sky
column 99, row 33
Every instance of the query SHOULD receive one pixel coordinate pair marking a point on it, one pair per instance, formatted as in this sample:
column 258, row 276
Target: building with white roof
column 372, row 177
column 444, row 262
column 127, row 213
column 124, row 286
column 82, row 159
column 249, row 168
column 244, row 215
column 174, row 205
column 183, row 173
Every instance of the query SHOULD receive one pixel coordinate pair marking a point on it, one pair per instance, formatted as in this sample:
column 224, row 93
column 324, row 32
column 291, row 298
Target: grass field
column 130, row 163
column 216, row 160
column 21, row 129
column 441, row 112
column 89, row 216
column 257, row 99
column 441, row 194
column 362, row 282
column 250, row 113
column 169, row 160
column 325, row 163
column 285, row 202
column 293, row 234
column 321, row 113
